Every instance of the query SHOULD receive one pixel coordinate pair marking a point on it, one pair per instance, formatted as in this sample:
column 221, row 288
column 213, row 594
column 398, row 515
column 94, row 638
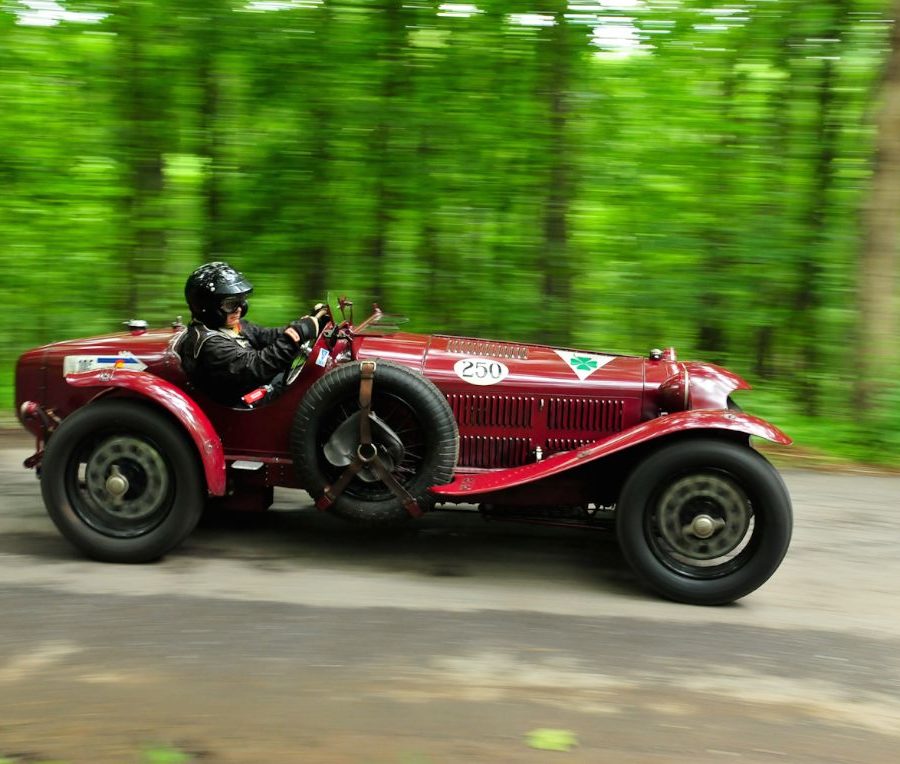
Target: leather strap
column 409, row 503
column 366, row 381
column 331, row 492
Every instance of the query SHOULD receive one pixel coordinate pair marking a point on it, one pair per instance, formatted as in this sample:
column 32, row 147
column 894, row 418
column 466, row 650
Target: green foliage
column 165, row 755
column 609, row 178
column 546, row 739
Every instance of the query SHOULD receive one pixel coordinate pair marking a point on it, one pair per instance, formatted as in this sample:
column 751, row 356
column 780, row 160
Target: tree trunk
column 210, row 148
column 142, row 148
column 878, row 258
column 770, row 324
column 712, row 339
column 555, row 260
column 386, row 168
column 808, row 298
column 428, row 251
column 314, row 254
column 312, row 268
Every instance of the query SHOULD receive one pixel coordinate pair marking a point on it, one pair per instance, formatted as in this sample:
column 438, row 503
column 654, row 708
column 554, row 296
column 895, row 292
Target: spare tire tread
column 420, row 394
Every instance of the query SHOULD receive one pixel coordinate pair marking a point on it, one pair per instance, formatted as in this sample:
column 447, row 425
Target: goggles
column 231, row 304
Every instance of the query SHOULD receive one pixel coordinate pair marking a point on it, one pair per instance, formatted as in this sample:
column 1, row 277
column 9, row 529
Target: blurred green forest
column 612, row 175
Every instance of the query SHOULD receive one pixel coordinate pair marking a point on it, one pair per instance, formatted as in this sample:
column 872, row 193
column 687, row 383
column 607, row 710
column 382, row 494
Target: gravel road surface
column 291, row 637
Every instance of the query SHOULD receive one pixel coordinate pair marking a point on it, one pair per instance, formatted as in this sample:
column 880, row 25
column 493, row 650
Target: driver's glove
column 321, row 314
column 307, row 328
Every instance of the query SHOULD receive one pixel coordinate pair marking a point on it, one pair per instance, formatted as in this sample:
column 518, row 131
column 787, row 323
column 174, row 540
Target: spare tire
column 414, row 430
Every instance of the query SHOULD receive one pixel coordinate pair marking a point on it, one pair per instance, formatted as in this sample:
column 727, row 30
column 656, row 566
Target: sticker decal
column 76, row 364
column 481, row 371
column 322, row 358
column 584, row 364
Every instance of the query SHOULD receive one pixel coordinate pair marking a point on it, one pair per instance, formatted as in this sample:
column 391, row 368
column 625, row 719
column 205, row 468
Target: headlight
column 675, row 392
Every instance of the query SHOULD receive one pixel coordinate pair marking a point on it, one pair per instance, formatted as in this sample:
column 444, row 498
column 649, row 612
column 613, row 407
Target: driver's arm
column 306, row 328
column 237, row 367
column 260, row 336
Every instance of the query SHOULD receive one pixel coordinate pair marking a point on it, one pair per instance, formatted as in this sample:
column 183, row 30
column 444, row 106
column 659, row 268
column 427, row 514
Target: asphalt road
column 289, row 637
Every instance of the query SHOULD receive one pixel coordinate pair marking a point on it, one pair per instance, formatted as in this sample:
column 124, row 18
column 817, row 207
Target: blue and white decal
column 322, row 358
column 481, row 371
column 584, row 364
column 75, row 364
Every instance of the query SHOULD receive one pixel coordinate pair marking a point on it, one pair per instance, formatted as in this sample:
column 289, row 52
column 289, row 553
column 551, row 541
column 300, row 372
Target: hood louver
column 487, row 349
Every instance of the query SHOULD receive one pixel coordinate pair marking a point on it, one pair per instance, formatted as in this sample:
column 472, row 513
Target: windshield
column 378, row 322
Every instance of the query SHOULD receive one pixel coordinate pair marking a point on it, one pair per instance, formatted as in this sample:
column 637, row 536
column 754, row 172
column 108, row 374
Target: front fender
column 469, row 486
column 711, row 385
column 173, row 399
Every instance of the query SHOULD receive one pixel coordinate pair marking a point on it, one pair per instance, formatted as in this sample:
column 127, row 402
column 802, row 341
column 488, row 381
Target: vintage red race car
column 381, row 426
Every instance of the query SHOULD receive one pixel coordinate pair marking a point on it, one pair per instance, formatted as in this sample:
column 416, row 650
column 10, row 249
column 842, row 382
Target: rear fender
column 470, row 486
column 173, row 399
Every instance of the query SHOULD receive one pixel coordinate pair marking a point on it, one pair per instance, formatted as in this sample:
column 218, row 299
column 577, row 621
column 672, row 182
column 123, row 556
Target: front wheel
column 704, row 522
column 121, row 482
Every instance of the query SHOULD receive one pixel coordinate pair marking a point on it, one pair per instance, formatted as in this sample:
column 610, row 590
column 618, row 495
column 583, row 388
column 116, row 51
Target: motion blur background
column 723, row 177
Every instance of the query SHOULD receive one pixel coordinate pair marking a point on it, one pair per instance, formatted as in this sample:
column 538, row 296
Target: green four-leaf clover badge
column 583, row 363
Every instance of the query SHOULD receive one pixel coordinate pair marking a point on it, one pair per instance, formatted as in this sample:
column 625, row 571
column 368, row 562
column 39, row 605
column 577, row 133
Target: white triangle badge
column 583, row 364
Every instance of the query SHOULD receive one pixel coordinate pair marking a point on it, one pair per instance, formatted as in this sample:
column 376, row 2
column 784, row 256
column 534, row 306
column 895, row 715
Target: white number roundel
column 481, row 371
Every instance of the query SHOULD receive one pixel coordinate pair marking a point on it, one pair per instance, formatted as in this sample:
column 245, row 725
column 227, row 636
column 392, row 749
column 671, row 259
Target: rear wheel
column 121, row 482
column 704, row 521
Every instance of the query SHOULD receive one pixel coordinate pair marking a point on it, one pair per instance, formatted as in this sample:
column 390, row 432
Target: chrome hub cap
column 116, row 483
column 126, row 477
column 704, row 516
column 704, row 526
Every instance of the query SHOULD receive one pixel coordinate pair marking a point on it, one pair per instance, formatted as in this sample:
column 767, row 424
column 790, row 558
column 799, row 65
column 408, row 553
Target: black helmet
column 211, row 284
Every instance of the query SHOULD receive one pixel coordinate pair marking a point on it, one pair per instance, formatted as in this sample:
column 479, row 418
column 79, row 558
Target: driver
column 226, row 356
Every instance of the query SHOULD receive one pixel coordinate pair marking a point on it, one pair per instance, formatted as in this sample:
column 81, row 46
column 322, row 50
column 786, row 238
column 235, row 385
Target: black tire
column 163, row 494
column 704, row 522
column 411, row 406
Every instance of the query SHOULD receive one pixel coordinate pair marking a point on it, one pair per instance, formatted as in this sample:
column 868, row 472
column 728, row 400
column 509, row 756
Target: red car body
column 541, row 429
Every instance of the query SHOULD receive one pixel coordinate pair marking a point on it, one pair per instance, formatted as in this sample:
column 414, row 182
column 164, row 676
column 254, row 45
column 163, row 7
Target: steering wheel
column 298, row 363
column 307, row 347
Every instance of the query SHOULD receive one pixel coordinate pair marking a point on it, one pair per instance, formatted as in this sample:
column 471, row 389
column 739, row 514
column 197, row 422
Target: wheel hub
column 344, row 445
column 116, row 484
column 126, row 477
column 704, row 516
column 704, row 526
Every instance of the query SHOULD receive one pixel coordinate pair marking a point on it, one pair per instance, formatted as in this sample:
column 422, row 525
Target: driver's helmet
column 214, row 290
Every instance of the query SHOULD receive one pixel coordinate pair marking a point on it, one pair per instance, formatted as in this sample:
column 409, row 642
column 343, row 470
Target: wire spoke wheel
column 404, row 463
column 413, row 432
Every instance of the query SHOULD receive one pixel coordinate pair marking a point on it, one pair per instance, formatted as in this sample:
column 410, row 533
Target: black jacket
column 226, row 366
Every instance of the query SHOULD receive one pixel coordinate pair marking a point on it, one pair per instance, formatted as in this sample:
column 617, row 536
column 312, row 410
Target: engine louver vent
column 492, row 410
column 478, row 451
column 488, row 349
column 585, row 414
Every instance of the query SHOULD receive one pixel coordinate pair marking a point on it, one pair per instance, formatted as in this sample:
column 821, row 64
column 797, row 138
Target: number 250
column 482, row 369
